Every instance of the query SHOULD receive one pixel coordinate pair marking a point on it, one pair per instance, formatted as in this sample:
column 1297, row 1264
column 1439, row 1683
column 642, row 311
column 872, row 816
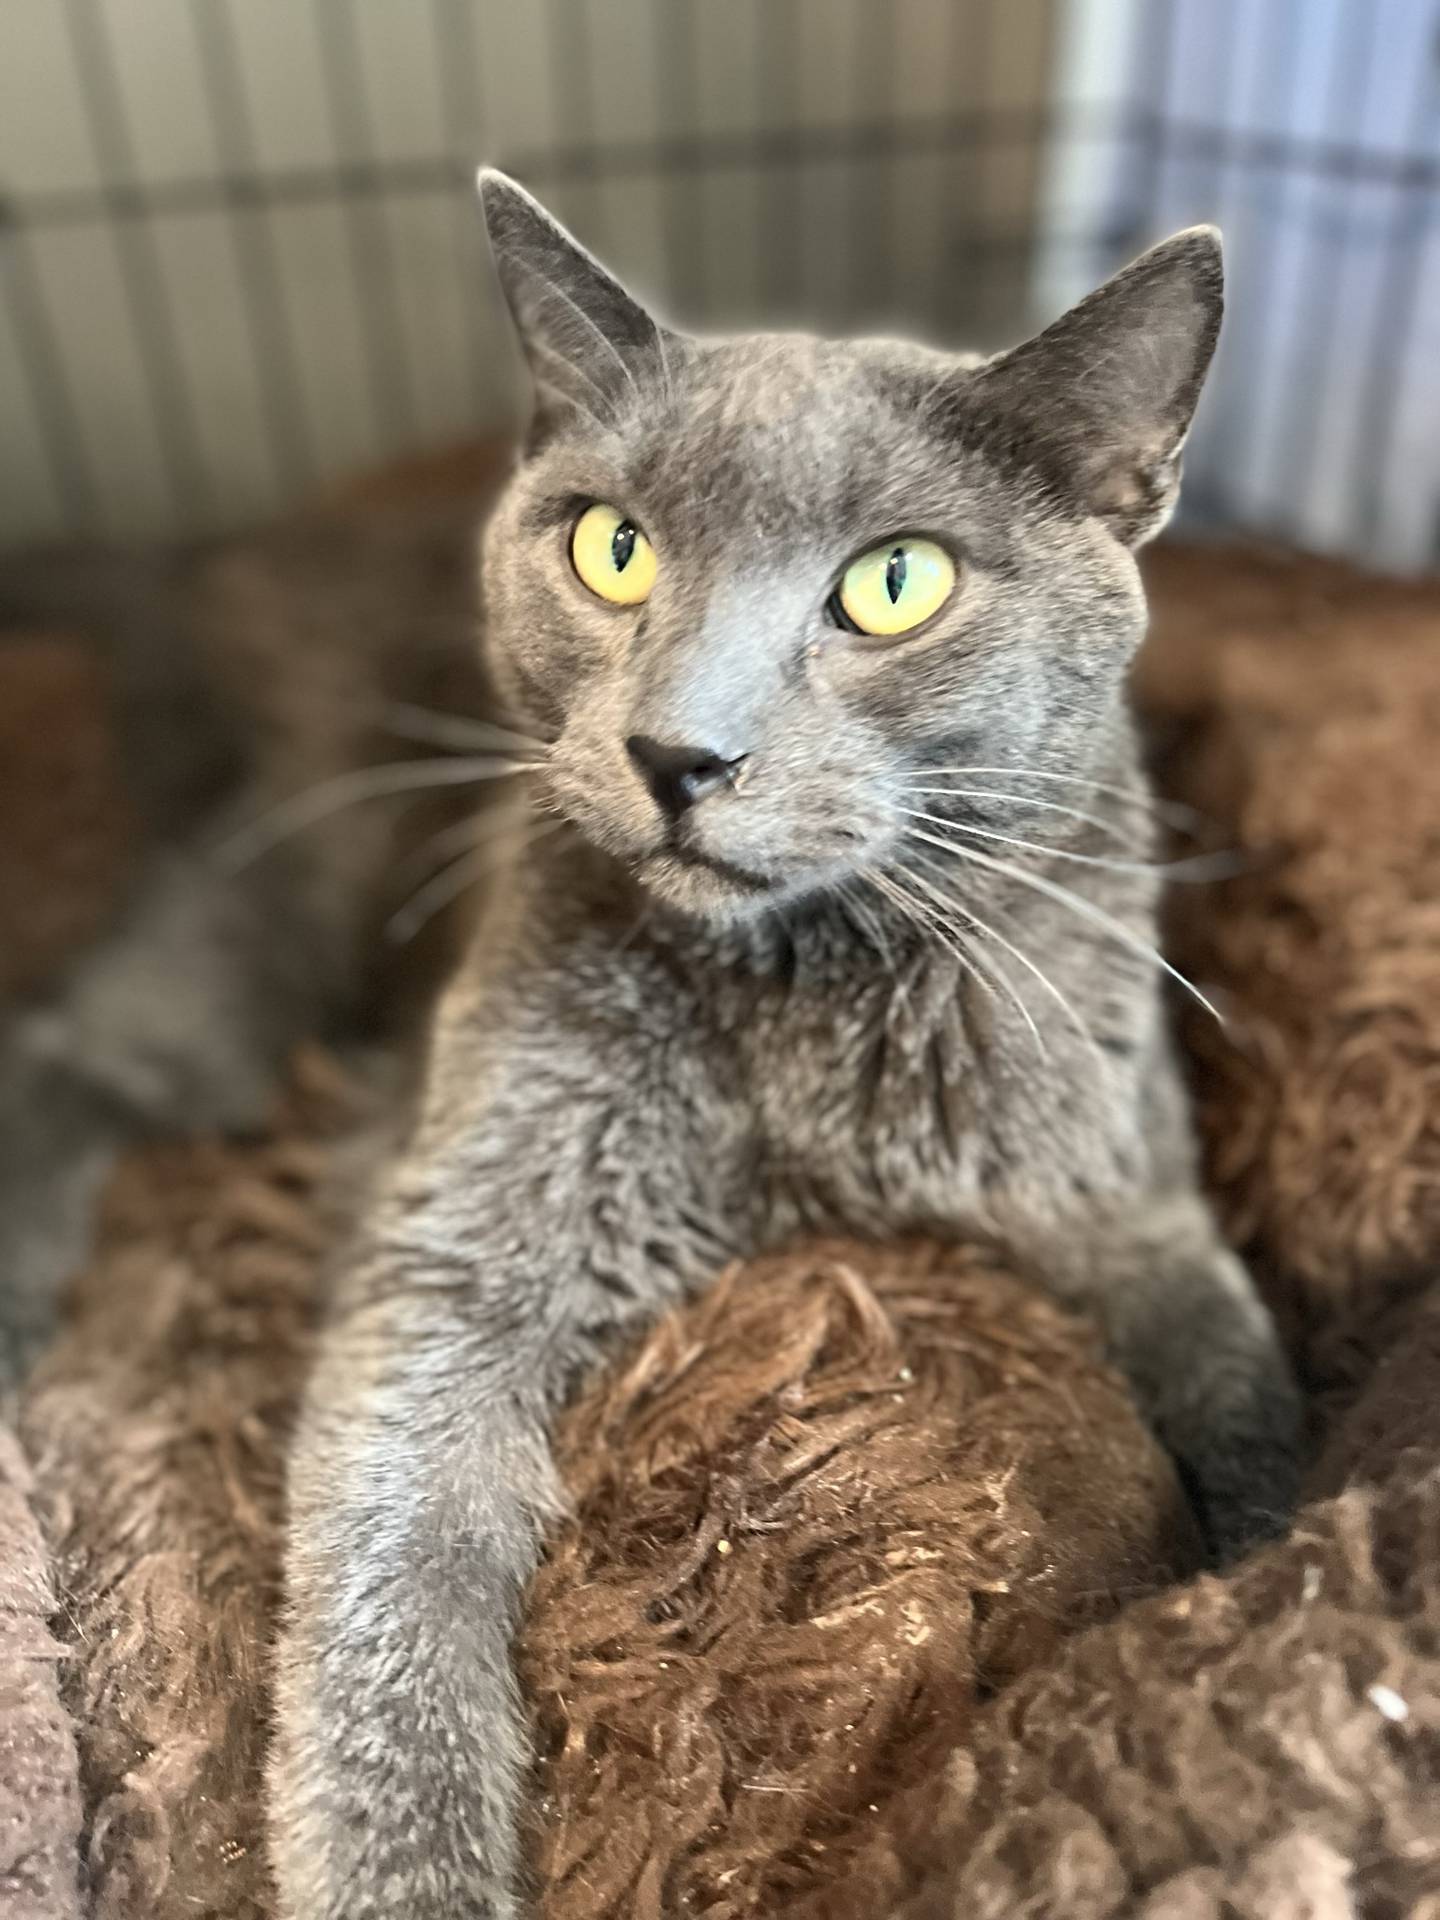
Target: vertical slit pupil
column 895, row 575
column 622, row 545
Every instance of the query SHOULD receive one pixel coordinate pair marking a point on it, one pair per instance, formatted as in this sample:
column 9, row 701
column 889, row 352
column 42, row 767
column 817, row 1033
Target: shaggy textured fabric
column 817, row 1516
column 746, row 1600
column 1392, row 1425
column 39, row 1784
column 156, row 1429
column 821, row 1516
column 823, row 1511
column 1265, row 1747
column 1300, row 706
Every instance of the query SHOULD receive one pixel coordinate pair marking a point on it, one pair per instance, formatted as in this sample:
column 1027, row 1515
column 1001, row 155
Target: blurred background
column 240, row 254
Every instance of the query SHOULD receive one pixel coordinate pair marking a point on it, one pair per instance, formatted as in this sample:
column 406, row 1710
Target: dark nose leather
column 679, row 776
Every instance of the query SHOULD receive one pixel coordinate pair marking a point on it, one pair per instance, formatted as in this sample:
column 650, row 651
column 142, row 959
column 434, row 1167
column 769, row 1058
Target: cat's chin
column 707, row 888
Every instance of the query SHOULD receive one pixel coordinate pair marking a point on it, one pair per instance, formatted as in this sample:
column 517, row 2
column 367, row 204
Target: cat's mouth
column 672, row 863
column 742, row 877
column 673, row 867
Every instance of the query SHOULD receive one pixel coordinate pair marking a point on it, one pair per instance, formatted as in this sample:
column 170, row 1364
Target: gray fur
column 236, row 677
column 674, row 1044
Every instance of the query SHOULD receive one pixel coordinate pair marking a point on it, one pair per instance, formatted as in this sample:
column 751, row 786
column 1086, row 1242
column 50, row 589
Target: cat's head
column 753, row 588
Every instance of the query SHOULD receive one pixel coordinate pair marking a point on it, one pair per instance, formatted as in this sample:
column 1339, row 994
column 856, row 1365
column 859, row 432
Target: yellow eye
column 613, row 557
column 893, row 588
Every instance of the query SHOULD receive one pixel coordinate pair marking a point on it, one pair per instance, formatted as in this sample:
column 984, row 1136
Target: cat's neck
column 862, row 930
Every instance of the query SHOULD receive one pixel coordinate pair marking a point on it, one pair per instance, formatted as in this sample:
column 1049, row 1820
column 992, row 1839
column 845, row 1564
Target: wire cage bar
column 239, row 252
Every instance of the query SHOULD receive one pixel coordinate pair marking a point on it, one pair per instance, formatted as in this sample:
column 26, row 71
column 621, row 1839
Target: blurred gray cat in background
column 247, row 681
column 842, row 918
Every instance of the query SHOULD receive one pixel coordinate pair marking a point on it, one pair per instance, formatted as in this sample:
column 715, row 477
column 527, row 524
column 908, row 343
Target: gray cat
column 822, row 647
column 237, row 677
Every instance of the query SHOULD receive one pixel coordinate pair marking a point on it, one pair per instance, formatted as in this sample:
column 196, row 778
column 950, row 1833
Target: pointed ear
column 1102, row 400
column 589, row 344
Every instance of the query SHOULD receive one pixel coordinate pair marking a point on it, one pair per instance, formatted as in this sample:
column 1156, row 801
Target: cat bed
column 824, row 1510
column 39, row 1775
column 875, row 1510
column 1298, row 704
column 1262, row 1747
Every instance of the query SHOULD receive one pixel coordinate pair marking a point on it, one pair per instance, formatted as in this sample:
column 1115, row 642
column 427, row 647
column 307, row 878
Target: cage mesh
column 240, row 252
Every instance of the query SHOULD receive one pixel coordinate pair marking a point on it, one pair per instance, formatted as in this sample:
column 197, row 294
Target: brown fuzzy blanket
column 871, row 1601
column 39, row 1783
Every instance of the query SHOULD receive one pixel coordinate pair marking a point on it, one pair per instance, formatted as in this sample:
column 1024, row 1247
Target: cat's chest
column 902, row 1101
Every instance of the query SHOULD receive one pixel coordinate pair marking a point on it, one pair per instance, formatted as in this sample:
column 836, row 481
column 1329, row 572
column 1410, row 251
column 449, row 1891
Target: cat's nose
column 678, row 776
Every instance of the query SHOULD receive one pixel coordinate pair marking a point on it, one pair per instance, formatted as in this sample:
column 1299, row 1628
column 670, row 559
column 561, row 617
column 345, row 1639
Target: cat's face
column 753, row 588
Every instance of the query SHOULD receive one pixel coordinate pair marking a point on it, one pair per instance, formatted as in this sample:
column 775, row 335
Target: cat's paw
column 1240, row 1458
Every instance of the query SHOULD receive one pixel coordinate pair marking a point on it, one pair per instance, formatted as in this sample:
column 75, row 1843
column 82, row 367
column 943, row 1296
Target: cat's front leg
column 420, row 1487
column 1184, row 1324
column 513, row 1240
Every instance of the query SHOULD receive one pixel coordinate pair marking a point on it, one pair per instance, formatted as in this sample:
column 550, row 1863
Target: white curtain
column 1310, row 130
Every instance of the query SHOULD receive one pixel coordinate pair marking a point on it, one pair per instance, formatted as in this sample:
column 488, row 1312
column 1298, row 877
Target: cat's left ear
column 1103, row 399
column 589, row 343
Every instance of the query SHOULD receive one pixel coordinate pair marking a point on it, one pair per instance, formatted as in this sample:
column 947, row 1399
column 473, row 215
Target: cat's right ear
column 1102, row 400
column 589, row 343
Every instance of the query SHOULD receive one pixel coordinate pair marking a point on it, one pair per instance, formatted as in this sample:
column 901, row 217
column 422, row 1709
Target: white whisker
column 915, row 912
column 926, row 919
column 870, row 924
column 984, row 928
column 421, row 862
column 1038, row 846
column 475, row 828
column 446, row 886
column 1077, row 904
column 1171, row 811
column 1025, row 800
column 1193, row 869
column 949, row 905
column 458, row 730
column 343, row 790
column 436, row 894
